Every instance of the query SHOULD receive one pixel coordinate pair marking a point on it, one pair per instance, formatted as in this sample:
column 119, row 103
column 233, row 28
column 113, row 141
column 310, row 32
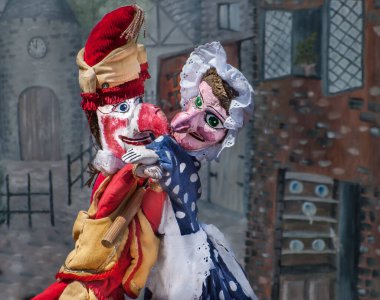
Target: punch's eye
column 123, row 107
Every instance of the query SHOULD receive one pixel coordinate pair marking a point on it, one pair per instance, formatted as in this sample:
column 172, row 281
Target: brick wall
column 369, row 259
column 299, row 128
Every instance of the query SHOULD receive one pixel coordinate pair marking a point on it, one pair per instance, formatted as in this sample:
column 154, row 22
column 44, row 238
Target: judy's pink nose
column 182, row 122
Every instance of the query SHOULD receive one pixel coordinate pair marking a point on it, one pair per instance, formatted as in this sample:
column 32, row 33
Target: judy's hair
column 220, row 88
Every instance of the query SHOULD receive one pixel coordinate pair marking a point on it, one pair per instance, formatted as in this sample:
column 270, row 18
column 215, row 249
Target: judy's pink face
column 200, row 125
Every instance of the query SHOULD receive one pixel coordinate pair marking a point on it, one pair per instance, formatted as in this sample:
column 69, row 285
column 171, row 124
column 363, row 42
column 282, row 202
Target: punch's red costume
column 110, row 192
column 113, row 68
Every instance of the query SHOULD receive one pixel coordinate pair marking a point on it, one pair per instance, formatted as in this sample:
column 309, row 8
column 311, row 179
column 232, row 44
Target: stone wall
column 210, row 27
column 57, row 71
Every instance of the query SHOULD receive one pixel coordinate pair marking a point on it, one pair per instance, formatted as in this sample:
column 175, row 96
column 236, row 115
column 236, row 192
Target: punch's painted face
column 200, row 125
column 129, row 123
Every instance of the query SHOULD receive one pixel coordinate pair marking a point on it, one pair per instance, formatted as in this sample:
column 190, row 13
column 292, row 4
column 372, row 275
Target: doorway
column 39, row 124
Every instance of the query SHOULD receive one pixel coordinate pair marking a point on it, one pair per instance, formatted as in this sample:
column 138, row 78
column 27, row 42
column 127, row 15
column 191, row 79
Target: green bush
column 305, row 53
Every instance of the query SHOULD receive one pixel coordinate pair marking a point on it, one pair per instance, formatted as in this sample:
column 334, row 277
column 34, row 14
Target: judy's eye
column 122, row 107
column 213, row 121
column 198, row 102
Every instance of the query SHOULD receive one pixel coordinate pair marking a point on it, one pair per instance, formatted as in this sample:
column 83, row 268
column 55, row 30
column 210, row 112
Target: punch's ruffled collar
column 241, row 108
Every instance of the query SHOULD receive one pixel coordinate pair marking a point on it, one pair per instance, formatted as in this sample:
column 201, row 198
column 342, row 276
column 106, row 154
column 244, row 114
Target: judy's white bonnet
column 200, row 60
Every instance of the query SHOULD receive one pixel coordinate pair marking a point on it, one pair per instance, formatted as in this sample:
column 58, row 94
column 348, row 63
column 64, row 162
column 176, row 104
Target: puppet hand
column 140, row 155
column 107, row 163
column 153, row 171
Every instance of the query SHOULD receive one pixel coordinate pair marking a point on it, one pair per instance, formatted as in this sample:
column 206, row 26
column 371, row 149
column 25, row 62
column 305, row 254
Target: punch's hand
column 140, row 155
column 153, row 171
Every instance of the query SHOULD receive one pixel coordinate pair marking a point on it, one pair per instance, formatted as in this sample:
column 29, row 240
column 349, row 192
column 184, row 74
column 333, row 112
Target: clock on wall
column 37, row 47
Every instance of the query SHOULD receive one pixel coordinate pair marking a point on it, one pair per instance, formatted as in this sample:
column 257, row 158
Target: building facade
column 314, row 209
column 40, row 116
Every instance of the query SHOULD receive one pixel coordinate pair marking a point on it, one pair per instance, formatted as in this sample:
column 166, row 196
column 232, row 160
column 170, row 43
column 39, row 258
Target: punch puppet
column 112, row 71
column 195, row 261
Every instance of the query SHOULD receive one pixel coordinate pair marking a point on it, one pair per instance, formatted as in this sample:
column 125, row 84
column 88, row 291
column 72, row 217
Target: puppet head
column 200, row 125
column 216, row 101
column 112, row 71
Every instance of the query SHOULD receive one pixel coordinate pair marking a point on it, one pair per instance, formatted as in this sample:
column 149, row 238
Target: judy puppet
column 195, row 261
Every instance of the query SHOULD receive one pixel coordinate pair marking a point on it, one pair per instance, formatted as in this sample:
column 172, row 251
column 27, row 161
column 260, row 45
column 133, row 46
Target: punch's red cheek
column 111, row 128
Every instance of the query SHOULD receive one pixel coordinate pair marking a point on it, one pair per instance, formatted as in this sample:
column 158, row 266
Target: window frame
column 228, row 6
column 262, row 21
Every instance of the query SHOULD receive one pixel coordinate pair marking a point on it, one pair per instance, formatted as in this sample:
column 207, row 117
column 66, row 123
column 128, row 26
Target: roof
column 39, row 9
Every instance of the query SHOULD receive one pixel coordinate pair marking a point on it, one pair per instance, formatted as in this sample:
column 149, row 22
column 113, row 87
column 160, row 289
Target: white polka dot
column 196, row 164
column 221, row 295
column 185, row 198
column 180, row 214
column 182, row 167
column 193, row 206
column 233, row 286
column 168, row 154
column 194, row 177
column 160, row 138
column 200, row 190
column 176, row 189
column 167, row 182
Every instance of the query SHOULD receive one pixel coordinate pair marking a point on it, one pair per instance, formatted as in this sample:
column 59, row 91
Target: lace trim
column 241, row 108
column 183, row 264
column 107, row 163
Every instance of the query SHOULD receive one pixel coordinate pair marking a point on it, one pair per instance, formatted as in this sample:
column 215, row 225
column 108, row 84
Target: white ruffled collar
column 201, row 59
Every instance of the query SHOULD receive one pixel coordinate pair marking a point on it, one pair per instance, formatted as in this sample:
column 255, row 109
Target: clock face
column 37, row 47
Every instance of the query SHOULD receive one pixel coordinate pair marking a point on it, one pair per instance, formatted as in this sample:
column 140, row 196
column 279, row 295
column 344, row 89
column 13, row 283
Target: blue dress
column 195, row 261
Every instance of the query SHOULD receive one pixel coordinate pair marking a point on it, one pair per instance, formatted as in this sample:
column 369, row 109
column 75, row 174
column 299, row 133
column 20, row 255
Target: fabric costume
column 195, row 261
column 112, row 68
column 97, row 272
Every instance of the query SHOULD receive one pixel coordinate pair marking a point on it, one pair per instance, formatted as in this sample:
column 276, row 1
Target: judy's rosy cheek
column 212, row 135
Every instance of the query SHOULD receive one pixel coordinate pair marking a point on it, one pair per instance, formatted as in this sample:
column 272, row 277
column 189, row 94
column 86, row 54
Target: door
column 318, row 232
column 39, row 125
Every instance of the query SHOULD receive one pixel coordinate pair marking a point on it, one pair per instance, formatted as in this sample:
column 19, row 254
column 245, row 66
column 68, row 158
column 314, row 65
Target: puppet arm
column 145, row 158
column 153, row 171
column 140, row 155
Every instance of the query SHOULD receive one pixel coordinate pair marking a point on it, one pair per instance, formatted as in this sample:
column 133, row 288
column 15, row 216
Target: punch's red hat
column 112, row 66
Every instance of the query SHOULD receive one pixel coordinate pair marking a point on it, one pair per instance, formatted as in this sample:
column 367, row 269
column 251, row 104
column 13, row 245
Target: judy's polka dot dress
column 182, row 184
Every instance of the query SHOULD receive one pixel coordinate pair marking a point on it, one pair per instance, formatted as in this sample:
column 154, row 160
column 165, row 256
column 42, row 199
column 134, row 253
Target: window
column 229, row 16
column 277, row 44
column 306, row 46
column 292, row 43
column 344, row 63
